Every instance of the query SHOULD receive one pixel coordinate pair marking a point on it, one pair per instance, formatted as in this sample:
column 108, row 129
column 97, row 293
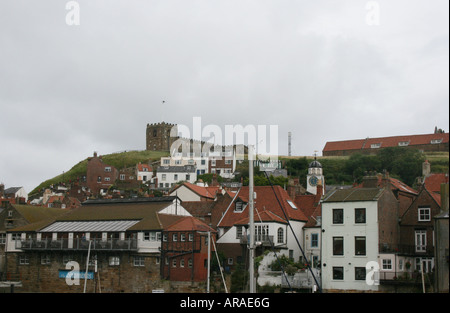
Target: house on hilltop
column 428, row 142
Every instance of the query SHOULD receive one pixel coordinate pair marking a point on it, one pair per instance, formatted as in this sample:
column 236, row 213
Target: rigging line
column 276, row 256
column 220, row 266
column 295, row 236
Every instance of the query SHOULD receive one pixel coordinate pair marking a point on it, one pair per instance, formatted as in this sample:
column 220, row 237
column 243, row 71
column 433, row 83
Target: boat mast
column 251, row 220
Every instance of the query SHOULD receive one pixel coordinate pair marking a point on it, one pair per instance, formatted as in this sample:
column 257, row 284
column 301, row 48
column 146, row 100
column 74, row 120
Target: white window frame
column 138, row 260
column 114, row 260
column 420, row 237
column 424, row 214
column 386, row 264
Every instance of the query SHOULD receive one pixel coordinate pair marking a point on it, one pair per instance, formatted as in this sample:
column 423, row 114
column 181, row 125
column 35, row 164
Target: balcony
column 264, row 240
column 402, row 249
column 77, row 244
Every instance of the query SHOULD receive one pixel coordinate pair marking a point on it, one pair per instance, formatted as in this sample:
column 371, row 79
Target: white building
column 355, row 222
column 168, row 176
column 16, row 192
column 144, row 172
column 271, row 228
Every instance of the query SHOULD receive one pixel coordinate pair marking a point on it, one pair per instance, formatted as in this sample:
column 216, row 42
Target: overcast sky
column 324, row 70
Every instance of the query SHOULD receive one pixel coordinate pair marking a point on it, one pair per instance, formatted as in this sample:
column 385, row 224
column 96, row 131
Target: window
column 360, row 273
column 10, row 213
column 182, row 263
column 261, row 232
column 425, row 263
column 165, row 237
column 163, row 177
column 203, row 162
column 166, row 161
column 175, row 237
column 67, row 258
column 107, row 178
column 108, row 169
column 183, row 237
column 238, row 206
column 403, row 143
column 190, row 262
column 435, row 141
column 230, row 261
column 228, row 162
column 174, row 263
column 114, row 261
column 338, row 245
column 375, row 145
column 291, row 204
column 213, row 162
column 314, row 240
column 191, row 237
column 175, row 177
column 280, row 235
column 2, row 239
column 424, row 214
column 238, row 232
column 338, row 273
column 360, row 216
column 421, row 240
column 122, row 177
column 45, row 259
column 24, row 260
column 99, row 179
column 360, row 245
column 387, row 264
column 139, row 261
column 338, row 216
column 188, row 177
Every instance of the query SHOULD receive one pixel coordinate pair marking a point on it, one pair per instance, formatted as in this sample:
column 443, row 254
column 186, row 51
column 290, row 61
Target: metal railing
column 77, row 244
column 406, row 249
column 265, row 240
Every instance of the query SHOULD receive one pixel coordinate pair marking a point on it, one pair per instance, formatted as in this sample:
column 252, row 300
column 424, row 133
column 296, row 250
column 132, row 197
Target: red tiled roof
column 310, row 205
column 264, row 216
column 189, row 223
column 384, row 141
column 206, row 192
column 142, row 166
column 395, row 184
column 433, row 182
column 265, row 201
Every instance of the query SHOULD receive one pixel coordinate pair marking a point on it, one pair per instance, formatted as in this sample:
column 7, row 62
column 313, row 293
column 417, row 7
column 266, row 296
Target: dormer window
column 375, row 145
column 436, row 141
column 239, row 205
column 403, row 143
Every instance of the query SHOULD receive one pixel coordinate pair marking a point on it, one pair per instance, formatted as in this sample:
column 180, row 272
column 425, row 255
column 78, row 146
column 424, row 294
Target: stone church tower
column 158, row 136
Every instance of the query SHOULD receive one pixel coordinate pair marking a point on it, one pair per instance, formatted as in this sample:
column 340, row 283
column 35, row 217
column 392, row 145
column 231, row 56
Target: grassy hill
column 336, row 169
column 118, row 160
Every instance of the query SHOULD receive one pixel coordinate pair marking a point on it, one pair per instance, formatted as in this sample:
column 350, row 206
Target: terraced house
column 105, row 245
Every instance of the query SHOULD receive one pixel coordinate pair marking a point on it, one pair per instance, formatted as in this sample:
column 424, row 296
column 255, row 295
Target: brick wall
column 124, row 277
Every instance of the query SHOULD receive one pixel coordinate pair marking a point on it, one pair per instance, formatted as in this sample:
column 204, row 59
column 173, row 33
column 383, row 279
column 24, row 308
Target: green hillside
column 403, row 164
column 118, row 160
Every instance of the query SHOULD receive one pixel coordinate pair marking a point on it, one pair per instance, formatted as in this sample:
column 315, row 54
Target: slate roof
column 137, row 213
column 354, row 194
